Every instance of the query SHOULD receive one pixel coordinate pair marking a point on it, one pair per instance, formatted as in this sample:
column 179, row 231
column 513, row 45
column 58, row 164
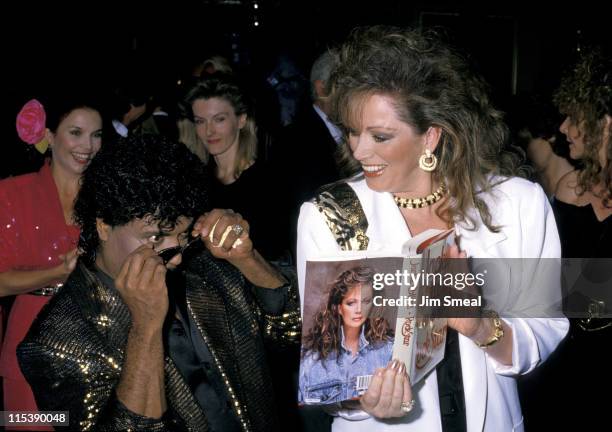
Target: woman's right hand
column 17, row 282
column 69, row 261
column 388, row 390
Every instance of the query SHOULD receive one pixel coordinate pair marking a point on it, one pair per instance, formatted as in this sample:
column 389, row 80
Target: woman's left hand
column 468, row 327
column 479, row 329
column 225, row 234
column 471, row 326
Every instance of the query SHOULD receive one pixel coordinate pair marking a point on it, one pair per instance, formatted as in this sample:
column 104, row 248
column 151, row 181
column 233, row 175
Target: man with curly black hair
column 134, row 342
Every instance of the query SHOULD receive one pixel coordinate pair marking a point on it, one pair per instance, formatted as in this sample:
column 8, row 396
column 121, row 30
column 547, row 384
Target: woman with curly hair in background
column 584, row 197
column 583, row 210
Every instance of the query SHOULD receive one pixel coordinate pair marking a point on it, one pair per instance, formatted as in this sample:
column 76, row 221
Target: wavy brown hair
column 432, row 85
column 585, row 96
column 324, row 337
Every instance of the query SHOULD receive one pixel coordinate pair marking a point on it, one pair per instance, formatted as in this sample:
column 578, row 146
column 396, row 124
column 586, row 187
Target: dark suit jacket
column 309, row 154
column 305, row 160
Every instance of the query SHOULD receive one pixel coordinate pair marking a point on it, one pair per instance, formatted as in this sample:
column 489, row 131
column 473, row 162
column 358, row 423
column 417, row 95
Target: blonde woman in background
column 221, row 130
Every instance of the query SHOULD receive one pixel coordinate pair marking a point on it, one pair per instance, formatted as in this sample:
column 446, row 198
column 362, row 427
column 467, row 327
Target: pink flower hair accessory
column 31, row 125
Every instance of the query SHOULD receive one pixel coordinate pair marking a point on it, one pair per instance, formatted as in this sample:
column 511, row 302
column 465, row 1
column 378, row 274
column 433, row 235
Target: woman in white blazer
column 427, row 150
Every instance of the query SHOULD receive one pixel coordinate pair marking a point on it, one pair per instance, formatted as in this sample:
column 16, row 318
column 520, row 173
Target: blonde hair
column 218, row 63
column 223, row 87
column 188, row 136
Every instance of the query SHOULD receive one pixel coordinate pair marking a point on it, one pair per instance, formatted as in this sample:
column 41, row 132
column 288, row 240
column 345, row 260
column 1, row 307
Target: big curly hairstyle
column 137, row 177
column 585, row 96
column 431, row 85
column 324, row 338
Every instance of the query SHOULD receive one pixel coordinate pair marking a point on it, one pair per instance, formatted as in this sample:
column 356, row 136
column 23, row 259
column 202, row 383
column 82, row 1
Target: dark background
column 520, row 47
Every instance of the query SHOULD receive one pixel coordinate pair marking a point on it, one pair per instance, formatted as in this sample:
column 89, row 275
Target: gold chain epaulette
column 344, row 216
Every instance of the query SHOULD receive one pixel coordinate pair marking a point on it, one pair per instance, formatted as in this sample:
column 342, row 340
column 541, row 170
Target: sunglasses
column 168, row 254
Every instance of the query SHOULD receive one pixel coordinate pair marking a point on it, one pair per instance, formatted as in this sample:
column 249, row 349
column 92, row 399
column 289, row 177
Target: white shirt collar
column 334, row 131
column 120, row 128
column 363, row 342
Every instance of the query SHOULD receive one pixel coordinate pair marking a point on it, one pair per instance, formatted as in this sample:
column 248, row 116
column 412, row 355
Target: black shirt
column 582, row 235
column 258, row 201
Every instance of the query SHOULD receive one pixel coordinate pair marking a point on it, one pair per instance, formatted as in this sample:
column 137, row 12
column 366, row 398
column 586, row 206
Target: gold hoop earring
column 428, row 161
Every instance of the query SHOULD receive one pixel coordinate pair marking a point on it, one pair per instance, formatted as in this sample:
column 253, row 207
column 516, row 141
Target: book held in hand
column 362, row 310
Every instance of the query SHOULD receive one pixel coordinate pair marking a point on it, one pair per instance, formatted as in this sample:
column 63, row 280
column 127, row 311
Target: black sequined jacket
column 74, row 351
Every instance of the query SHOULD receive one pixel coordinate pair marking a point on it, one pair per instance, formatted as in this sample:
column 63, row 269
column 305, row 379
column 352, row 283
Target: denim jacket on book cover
column 338, row 377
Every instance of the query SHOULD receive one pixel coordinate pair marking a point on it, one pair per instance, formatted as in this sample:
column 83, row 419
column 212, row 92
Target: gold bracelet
column 498, row 331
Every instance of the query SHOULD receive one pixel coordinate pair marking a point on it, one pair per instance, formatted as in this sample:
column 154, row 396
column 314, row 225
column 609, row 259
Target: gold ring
column 212, row 231
column 224, row 235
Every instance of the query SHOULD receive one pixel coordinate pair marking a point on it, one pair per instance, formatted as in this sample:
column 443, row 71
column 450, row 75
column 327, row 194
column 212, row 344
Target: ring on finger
column 212, row 231
column 407, row 406
column 228, row 230
column 238, row 229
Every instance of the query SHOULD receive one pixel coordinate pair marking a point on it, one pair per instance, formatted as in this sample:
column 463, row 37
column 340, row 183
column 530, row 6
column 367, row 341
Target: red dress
column 33, row 234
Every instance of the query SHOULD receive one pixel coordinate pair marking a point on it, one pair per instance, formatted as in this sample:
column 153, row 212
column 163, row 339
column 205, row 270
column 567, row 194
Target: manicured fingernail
column 402, row 369
column 395, row 365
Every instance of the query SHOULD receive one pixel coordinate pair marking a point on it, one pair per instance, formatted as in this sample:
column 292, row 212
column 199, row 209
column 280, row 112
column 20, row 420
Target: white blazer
column 528, row 230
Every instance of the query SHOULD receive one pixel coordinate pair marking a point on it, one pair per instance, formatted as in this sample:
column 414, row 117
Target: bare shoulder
column 566, row 188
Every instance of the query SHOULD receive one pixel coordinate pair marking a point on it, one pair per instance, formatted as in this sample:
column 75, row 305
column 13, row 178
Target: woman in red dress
column 38, row 237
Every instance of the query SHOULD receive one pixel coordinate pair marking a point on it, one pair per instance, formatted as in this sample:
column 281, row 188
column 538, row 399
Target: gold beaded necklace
column 428, row 200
